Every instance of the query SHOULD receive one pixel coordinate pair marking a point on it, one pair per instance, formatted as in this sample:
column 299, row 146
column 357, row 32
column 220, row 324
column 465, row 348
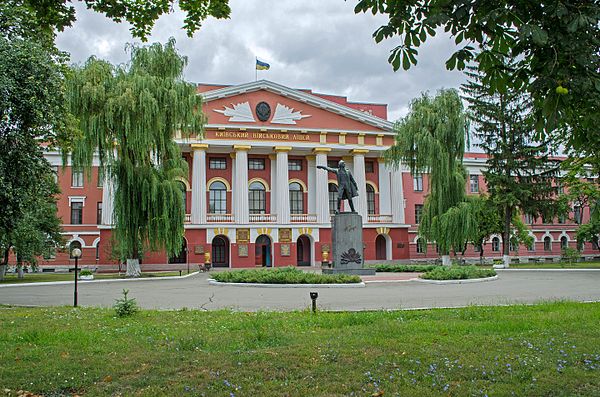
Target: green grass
column 283, row 275
column 544, row 350
column 457, row 273
column 562, row 265
column 404, row 268
column 45, row 277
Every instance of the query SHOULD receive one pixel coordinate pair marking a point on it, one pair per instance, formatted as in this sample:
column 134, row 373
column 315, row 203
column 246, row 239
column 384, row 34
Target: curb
column 116, row 280
column 463, row 281
column 547, row 270
column 212, row 281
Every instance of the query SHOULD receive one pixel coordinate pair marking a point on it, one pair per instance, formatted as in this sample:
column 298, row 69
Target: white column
column 199, row 183
column 322, row 193
column 360, row 202
column 312, row 193
column 108, row 196
column 240, row 188
column 283, row 191
column 385, row 196
column 397, row 194
column 273, row 183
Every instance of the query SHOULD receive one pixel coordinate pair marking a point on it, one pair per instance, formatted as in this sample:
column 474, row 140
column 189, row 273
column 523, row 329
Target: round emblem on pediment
column 263, row 111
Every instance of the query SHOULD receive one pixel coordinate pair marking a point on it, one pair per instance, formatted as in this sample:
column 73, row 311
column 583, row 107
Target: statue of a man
column 347, row 187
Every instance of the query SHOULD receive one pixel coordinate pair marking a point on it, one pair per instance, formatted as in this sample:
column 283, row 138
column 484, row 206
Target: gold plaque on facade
column 242, row 250
column 285, row 235
column 242, row 235
column 285, row 249
column 199, row 249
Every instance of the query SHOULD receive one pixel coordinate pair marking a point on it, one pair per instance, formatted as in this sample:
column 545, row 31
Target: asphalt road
column 195, row 292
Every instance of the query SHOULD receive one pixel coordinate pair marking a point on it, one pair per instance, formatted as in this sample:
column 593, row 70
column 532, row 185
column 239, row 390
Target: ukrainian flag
column 262, row 65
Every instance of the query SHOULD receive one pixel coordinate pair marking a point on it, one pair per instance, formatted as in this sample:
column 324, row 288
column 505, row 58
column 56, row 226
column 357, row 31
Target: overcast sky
column 317, row 44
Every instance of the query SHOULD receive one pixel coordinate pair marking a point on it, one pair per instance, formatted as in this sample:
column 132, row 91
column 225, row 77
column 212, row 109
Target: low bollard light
column 313, row 297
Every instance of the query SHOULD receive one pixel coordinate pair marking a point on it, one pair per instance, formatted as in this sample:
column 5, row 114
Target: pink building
column 254, row 196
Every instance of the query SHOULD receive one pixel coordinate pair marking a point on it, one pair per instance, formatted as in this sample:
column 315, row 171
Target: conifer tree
column 432, row 139
column 519, row 174
column 129, row 116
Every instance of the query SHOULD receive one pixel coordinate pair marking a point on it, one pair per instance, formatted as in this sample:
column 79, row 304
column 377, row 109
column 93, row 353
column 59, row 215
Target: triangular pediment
column 283, row 107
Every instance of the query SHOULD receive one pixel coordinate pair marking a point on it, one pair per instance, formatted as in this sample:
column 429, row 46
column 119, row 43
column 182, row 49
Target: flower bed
column 457, row 273
column 284, row 275
column 405, row 268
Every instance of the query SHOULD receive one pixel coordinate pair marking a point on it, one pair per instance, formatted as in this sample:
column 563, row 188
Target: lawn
column 544, row 350
column 563, row 265
column 11, row 278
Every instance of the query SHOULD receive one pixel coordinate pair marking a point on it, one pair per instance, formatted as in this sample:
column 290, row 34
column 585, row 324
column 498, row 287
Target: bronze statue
column 347, row 187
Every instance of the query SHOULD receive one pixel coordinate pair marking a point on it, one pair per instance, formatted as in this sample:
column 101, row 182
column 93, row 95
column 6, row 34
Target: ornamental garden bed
column 284, row 275
column 404, row 268
column 457, row 273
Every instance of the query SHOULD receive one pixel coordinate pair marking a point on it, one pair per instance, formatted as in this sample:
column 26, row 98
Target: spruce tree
column 129, row 116
column 519, row 174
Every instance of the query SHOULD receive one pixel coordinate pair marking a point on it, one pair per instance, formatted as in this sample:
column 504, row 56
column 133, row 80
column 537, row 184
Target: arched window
column 495, row 244
column 564, row 242
column 333, row 196
column 217, row 198
column 296, row 198
column 547, row 243
column 257, row 198
column 72, row 246
column 420, row 246
column 370, row 199
column 183, row 195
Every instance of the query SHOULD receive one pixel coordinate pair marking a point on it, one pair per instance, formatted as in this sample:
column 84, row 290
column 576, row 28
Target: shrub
column 457, row 273
column 570, row 255
column 405, row 268
column 125, row 307
column 284, row 275
column 85, row 272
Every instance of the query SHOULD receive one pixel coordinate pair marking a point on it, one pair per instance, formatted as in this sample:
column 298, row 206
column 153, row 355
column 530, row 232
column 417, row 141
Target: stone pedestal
column 347, row 245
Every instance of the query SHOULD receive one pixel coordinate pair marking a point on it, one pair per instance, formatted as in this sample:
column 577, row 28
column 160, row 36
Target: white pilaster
column 240, row 188
column 322, row 196
column 360, row 204
column 397, row 194
column 199, row 183
column 312, row 194
column 108, row 196
column 283, row 191
column 273, row 183
column 385, row 196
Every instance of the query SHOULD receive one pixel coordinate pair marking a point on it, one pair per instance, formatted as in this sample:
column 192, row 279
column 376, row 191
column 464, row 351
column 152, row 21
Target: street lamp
column 76, row 253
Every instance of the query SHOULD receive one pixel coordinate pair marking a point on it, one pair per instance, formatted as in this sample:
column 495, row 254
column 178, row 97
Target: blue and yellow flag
column 262, row 65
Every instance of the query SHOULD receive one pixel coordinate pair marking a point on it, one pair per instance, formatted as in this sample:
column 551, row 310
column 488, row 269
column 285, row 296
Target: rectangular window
column 100, row 178
column 99, row 213
column 256, row 164
column 76, row 213
column 418, row 213
column 474, row 183
column 55, row 172
column 217, row 163
column 295, row 165
column 332, row 163
column 529, row 219
column 418, row 183
column 217, row 201
column 577, row 214
column 369, row 167
column 296, row 202
column 76, row 177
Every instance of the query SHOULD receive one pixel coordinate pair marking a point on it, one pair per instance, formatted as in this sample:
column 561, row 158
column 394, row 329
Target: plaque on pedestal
column 347, row 245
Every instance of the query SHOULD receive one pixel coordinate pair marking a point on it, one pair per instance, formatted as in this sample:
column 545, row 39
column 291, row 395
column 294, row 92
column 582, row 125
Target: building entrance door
column 303, row 251
column 220, row 251
column 262, row 253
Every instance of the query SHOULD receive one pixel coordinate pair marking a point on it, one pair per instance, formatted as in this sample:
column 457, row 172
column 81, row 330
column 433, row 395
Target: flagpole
column 255, row 69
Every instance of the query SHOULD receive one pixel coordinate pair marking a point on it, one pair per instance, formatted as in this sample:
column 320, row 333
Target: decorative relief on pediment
column 240, row 112
column 286, row 115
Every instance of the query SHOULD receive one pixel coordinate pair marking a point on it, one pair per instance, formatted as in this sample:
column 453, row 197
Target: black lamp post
column 76, row 253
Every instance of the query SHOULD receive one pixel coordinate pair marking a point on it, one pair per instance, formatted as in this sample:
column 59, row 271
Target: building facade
column 254, row 196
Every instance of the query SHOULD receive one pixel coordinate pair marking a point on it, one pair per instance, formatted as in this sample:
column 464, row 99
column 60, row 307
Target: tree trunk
column 2, row 271
column 133, row 268
column 3, row 264
column 506, row 236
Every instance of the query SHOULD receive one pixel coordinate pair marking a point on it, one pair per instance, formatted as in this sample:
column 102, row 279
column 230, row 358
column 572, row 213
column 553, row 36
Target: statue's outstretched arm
column 334, row 170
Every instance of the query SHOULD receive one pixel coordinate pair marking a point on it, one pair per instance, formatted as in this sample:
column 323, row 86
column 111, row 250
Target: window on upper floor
column 370, row 199
column 296, row 198
column 99, row 213
column 369, row 166
column 295, row 165
column 474, row 183
column 256, row 164
column 332, row 163
column 217, row 198
column 418, row 183
column 217, row 163
column 418, row 213
column 529, row 219
column 577, row 214
column 76, row 213
column 333, row 196
column 100, row 182
column 76, row 177
column 257, row 198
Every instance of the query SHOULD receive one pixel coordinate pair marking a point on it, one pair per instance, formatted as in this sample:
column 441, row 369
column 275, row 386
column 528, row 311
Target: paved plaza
column 195, row 292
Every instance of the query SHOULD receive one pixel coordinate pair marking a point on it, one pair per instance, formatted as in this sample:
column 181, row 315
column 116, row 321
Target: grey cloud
column 314, row 44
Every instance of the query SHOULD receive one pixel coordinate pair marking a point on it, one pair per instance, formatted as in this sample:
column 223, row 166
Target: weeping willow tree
column 431, row 139
column 128, row 116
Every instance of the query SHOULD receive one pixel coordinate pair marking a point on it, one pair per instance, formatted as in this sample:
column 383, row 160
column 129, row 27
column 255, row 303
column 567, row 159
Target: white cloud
column 314, row 44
